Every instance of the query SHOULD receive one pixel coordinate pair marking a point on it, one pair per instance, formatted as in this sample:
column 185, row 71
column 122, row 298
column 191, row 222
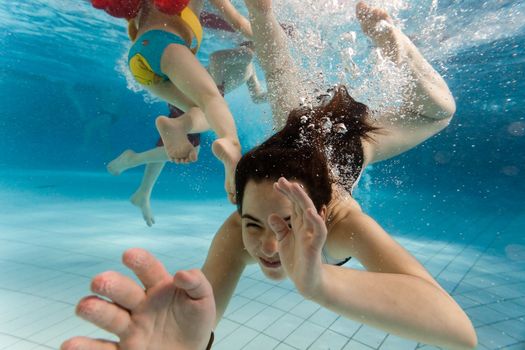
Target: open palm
column 300, row 246
column 172, row 312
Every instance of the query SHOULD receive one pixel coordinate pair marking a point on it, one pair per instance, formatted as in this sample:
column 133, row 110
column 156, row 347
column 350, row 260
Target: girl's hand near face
column 301, row 244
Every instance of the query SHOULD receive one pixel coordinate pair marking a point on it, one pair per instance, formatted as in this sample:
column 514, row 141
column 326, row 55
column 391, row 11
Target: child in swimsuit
column 162, row 59
column 230, row 69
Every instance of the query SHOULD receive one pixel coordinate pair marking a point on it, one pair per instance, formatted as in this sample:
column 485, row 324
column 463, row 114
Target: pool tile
column 305, row 309
column 355, row 345
column 329, row 341
column 514, row 328
column 265, row 318
column 261, row 342
column 283, row 327
column 345, row 327
column 370, row 336
column 493, row 338
column 246, row 312
column 304, row 335
column 288, row 301
column 237, row 339
column 323, row 317
column 393, row 342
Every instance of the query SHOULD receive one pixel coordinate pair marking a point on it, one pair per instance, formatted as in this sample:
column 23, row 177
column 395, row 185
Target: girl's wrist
column 318, row 292
column 314, row 290
column 198, row 345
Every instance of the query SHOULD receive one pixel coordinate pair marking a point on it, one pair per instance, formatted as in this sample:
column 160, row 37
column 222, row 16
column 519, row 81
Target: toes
column 232, row 198
column 361, row 9
column 193, row 156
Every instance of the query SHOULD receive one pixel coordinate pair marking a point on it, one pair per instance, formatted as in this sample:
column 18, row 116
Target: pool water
column 455, row 202
column 54, row 240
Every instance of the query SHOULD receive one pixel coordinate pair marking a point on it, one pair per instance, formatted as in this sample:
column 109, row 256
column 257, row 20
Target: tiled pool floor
column 51, row 244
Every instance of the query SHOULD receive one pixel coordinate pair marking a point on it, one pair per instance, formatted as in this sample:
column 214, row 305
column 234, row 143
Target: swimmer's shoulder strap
column 193, row 22
column 132, row 29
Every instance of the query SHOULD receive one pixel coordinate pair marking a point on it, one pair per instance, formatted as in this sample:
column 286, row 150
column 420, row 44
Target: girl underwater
column 162, row 59
column 303, row 228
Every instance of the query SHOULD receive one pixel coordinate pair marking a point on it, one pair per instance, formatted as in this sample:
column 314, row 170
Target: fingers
column 104, row 314
column 302, row 198
column 148, row 269
column 295, row 193
column 279, row 226
column 283, row 186
column 305, row 207
column 120, row 289
column 84, row 343
column 319, row 226
column 194, row 284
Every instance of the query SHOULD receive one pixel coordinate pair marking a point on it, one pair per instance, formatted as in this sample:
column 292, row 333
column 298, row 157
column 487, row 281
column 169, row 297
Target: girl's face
column 260, row 200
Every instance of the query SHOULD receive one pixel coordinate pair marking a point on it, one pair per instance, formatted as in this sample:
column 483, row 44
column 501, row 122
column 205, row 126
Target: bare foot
column 141, row 200
column 229, row 153
column 121, row 163
column 260, row 97
column 259, row 6
column 176, row 143
column 378, row 26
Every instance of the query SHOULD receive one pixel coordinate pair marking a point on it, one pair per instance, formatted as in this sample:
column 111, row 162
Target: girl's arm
column 395, row 294
column 233, row 17
column 225, row 263
column 428, row 104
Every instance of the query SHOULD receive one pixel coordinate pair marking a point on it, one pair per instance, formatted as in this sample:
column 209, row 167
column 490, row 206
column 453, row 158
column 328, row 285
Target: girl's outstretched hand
column 300, row 245
column 172, row 312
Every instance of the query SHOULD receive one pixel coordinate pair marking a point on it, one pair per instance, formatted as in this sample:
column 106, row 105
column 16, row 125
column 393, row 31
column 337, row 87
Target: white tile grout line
column 22, row 339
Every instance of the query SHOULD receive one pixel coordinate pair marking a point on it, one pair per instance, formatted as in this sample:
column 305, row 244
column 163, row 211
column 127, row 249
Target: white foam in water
column 122, row 69
column 325, row 28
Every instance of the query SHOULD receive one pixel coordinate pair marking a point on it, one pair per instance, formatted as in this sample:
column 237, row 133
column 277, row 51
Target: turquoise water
column 456, row 202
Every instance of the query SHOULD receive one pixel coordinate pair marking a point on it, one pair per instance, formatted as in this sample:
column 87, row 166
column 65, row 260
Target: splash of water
column 122, row 69
column 332, row 49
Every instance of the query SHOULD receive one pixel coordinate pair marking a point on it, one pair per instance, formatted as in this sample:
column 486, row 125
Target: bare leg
column 229, row 67
column 254, row 87
column 428, row 105
column 190, row 77
column 129, row 159
column 154, row 165
column 282, row 75
column 233, row 68
column 187, row 74
column 430, row 96
column 141, row 197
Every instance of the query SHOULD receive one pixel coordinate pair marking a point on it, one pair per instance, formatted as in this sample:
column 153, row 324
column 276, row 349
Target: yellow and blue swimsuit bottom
column 145, row 55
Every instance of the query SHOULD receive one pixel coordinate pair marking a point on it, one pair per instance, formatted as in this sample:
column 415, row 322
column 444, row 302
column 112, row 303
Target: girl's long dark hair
column 318, row 146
